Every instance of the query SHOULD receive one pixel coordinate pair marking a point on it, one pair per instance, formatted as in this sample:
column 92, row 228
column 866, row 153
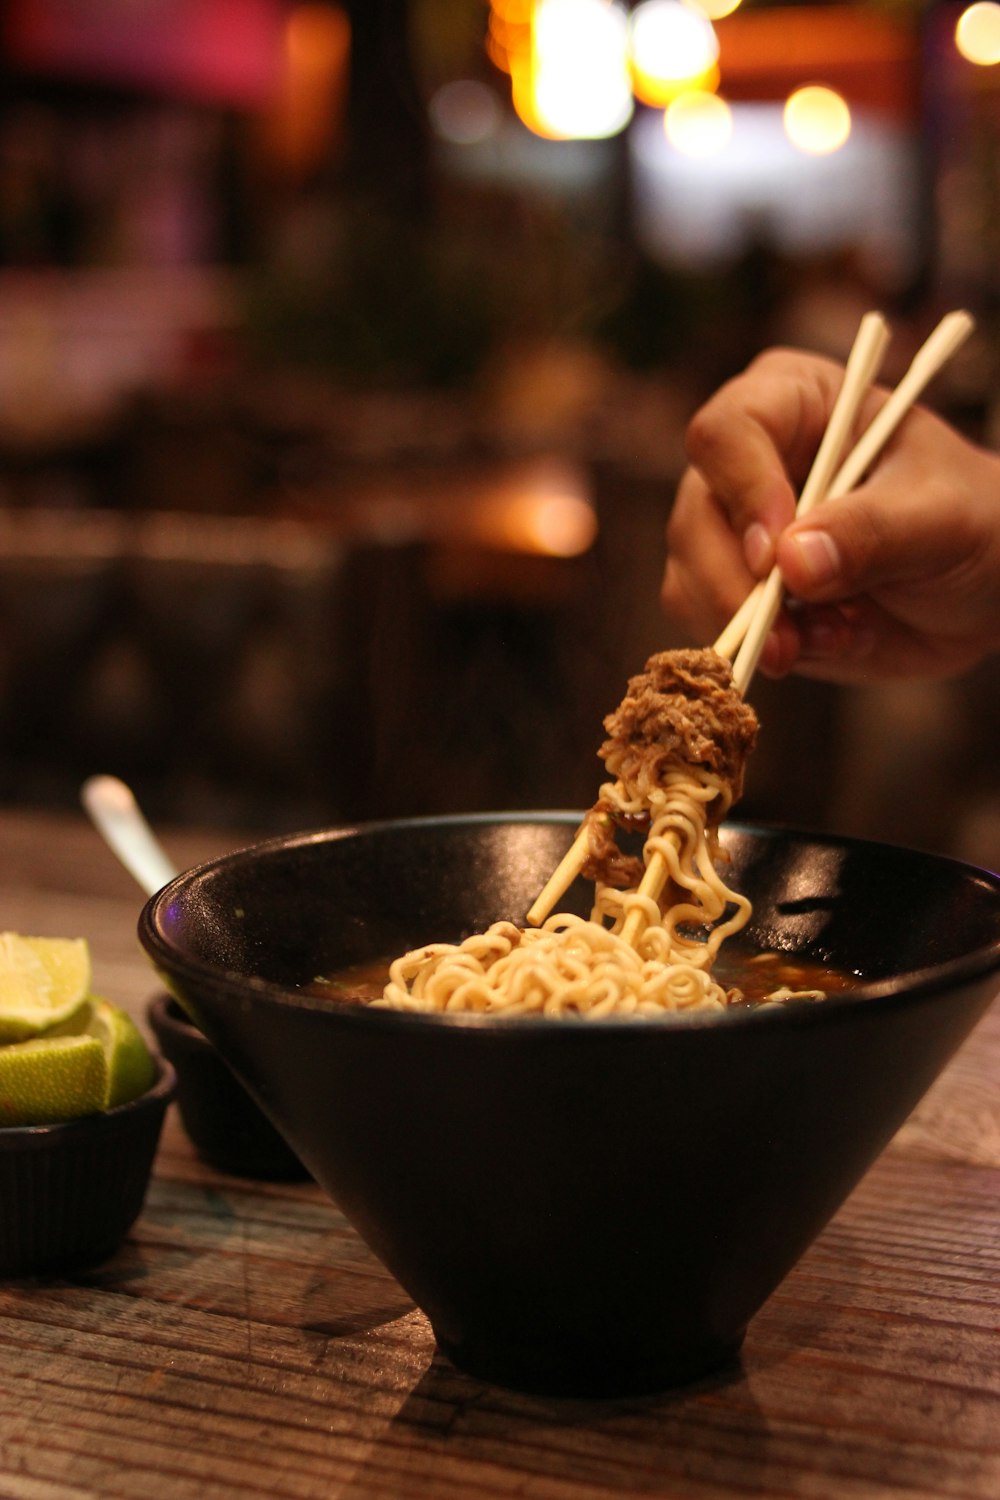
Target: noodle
column 676, row 749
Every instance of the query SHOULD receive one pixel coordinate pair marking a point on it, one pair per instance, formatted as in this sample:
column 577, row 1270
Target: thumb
column 812, row 564
column 865, row 542
column 926, row 514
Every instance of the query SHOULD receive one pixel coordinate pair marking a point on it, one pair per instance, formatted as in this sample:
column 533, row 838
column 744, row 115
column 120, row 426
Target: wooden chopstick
column 653, row 880
column 561, row 879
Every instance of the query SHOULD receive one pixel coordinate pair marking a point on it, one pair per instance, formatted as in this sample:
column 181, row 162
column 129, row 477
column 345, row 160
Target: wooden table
column 243, row 1342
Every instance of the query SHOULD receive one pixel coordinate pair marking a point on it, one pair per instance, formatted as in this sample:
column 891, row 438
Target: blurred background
column 346, row 348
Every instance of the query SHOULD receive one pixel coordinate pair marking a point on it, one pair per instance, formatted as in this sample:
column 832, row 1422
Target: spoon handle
column 118, row 818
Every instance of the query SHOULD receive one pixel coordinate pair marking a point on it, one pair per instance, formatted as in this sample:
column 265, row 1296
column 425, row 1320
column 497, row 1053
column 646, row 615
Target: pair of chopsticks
column 748, row 629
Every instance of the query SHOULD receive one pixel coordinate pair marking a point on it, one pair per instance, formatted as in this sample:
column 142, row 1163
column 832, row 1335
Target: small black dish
column 224, row 1124
column 581, row 1208
column 69, row 1193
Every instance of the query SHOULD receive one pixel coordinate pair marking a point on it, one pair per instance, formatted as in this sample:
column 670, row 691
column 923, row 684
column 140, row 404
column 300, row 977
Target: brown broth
column 354, row 984
column 756, row 976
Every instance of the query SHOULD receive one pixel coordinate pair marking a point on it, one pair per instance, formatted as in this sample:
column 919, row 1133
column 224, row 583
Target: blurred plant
column 391, row 303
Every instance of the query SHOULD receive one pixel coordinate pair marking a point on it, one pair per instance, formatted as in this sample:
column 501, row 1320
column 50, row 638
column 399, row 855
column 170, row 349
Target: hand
column 901, row 577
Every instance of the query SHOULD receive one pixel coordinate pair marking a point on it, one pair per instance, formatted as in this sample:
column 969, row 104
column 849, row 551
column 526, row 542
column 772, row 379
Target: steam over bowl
column 593, row 1208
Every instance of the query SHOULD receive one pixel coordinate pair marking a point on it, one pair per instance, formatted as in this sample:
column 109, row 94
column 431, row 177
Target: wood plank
column 846, row 1360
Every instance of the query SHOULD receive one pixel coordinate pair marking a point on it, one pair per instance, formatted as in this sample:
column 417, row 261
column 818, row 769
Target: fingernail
column 818, row 554
column 758, row 549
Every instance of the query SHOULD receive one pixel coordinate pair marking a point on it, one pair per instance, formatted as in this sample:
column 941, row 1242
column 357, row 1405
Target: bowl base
column 551, row 1373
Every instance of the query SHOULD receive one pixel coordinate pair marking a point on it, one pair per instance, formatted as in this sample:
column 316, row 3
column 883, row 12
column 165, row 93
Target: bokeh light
column 317, row 53
column 672, row 47
column 817, row 120
column 464, row 112
column 698, row 123
column 561, row 526
column 977, row 33
column 508, row 39
column 715, row 10
column 575, row 84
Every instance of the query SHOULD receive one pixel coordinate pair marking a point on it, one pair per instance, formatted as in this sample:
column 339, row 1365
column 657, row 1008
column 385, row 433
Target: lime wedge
column 52, row 1078
column 131, row 1070
column 63, row 1051
column 43, row 983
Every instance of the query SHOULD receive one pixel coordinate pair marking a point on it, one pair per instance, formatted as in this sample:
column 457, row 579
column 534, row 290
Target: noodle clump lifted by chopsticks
column 676, row 750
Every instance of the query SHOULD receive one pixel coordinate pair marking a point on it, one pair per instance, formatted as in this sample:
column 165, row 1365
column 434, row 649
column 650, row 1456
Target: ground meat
column 683, row 709
column 605, row 861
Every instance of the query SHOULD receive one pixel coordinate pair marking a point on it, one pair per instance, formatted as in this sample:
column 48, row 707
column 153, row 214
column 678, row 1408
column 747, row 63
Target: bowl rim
column 900, row 989
column 158, row 1095
column 165, row 1012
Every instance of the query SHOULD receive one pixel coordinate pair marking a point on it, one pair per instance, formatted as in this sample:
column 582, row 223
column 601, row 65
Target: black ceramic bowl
column 226, row 1127
column 579, row 1207
column 69, row 1193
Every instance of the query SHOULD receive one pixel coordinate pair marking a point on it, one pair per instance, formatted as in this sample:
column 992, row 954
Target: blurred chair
column 208, row 599
column 59, row 588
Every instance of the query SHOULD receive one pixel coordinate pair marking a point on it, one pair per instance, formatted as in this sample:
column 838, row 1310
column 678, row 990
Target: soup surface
column 756, row 977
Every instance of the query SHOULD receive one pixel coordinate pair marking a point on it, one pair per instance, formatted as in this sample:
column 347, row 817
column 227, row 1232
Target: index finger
column 754, row 441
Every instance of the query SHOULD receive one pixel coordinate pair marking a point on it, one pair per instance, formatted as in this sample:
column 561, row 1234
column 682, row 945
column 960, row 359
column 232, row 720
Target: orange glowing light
column 514, row 12
column 672, row 47
column 507, row 42
column 562, row 526
column 535, row 518
column 540, row 508
column 508, row 32
column 317, row 49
